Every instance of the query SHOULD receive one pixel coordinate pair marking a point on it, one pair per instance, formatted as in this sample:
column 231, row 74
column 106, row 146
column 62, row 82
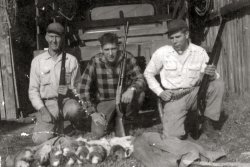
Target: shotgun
column 214, row 58
column 202, row 92
column 62, row 81
column 119, row 130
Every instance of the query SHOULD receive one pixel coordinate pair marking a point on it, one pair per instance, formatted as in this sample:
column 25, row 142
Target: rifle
column 214, row 57
column 120, row 131
column 202, row 92
column 62, row 81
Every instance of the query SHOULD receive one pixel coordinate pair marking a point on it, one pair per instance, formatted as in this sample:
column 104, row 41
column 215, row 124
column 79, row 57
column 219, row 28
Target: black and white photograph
column 124, row 83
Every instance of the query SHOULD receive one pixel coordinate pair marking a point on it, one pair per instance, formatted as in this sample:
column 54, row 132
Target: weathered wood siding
column 7, row 93
column 234, row 64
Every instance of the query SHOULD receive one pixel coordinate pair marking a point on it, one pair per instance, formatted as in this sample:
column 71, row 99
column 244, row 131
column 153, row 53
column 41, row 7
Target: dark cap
column 56, row 28
column 176, row 25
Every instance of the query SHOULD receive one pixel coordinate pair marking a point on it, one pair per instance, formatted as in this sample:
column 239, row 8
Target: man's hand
column 99, row 118
column 44, row 109
column 127, row 96
column 210, row 70
column 63, row 89
column 166, row 95
column 90, row 110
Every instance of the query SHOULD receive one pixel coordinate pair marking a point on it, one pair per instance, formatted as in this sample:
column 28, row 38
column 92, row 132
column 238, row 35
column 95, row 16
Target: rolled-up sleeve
column 34, row 86
column 76, row 75
column 153, row 68
column 205, row 61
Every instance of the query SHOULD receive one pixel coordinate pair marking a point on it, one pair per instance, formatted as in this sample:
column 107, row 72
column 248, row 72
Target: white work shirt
column 45, row 76
column 176, row 71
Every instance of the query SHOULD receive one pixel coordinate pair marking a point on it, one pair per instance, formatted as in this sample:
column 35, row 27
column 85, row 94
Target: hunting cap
column 56, row 28
column 176, row 25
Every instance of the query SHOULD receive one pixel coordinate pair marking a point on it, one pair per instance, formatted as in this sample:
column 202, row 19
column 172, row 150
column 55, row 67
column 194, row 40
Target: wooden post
column 7, row 95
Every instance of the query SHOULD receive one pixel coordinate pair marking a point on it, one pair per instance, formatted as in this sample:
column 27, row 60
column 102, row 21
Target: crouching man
column 44, row 87
column 181, row 67
column 102, row 73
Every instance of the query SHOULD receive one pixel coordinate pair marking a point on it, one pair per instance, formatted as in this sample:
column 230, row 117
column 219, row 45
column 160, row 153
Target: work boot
column 209, row 130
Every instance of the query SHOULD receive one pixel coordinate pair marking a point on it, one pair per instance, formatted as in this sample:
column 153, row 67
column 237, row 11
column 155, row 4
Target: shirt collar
column 47, row 56
column 189, row 48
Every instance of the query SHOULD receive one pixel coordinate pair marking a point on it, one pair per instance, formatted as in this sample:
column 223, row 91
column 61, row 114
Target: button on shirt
column 45, row 75
column 176, row 71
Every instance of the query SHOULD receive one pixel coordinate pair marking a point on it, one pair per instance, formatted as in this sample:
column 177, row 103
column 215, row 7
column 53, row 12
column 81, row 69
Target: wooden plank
column 2, row 107
column 242, row 64
column 230, row 64
column 244, row 53
column 247, row 36
column 234, row 64
column 7, row 83
column 234, row 57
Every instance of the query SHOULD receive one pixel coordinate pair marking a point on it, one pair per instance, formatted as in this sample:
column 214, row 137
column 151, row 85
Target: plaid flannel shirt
column 104, row 78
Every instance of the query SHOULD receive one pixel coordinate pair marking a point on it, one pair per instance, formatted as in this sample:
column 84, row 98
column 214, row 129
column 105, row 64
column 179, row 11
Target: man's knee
column 42, row 132
column 173, row 108
column 39, row 138
column 97, row 131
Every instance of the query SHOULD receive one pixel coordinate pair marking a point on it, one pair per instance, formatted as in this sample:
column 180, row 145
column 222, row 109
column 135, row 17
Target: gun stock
column 119, row 129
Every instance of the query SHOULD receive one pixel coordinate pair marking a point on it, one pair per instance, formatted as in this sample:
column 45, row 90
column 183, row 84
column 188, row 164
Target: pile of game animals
column 65, row 151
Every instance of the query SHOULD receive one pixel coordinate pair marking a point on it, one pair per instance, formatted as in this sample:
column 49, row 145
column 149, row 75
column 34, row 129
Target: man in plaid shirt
column 100, row 80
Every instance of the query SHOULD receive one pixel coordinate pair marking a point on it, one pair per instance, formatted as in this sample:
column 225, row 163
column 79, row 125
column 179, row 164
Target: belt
column 49, row 98
column 179, row 93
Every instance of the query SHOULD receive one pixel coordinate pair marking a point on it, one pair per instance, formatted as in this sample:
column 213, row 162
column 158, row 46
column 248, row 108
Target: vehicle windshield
column 129, row 10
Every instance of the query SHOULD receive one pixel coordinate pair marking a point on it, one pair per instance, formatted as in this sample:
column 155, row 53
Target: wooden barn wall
column 7, row 93
column 234, row 62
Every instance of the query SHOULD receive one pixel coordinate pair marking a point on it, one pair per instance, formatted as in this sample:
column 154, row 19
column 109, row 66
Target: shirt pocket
column 194, row 70
column 170, row 68
column 45, row 78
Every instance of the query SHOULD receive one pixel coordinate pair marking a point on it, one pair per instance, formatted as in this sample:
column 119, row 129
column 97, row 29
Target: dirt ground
column 234, row 130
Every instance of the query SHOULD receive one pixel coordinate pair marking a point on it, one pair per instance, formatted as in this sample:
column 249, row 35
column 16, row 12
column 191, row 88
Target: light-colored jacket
column 45, row 74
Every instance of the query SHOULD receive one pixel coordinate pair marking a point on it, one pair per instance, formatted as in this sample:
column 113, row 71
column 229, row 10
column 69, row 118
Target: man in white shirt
column 44, row 87
column 181, row 68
